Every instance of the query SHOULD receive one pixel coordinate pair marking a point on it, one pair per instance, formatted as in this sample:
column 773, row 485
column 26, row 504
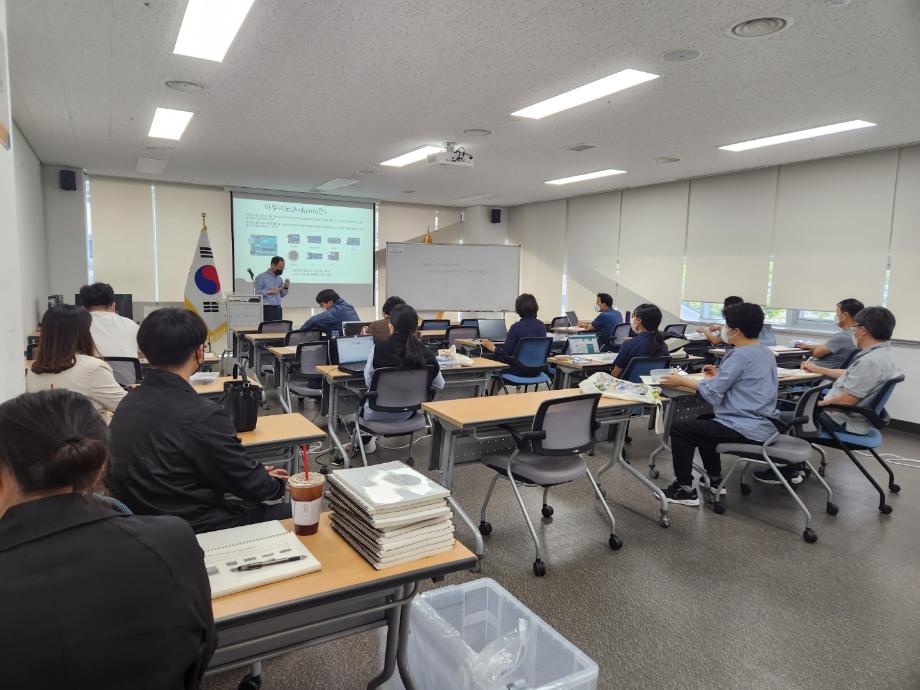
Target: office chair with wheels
column 469, row 322
column 275, row 326
column 819, row 430
column 618, row 336
column 551, row 453
column 559, row 322
column 127, row 370
column 395, row 390
column 306, row 381
column 307, row 335
column 676, row 330
column 455, row 333
column 529, row 361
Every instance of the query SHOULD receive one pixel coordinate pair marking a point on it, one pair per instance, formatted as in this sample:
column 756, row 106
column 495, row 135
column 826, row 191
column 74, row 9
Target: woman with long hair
column 648, row 341
column 69, row 620
column 67, row 358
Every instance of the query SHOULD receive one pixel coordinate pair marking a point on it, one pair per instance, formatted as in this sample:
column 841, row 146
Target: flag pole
column 204, row 227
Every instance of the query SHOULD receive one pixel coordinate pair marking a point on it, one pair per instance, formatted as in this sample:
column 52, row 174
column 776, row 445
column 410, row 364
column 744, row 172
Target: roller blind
column 179, row 209
column 541, row 229
column 729, row 230
column 833, row 221
column 592, row 236
column 653, row 228
column 123, row 235
column 905, row 247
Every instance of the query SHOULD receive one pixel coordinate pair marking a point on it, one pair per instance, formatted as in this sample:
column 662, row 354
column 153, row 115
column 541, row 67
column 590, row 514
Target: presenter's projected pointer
column 272, row 289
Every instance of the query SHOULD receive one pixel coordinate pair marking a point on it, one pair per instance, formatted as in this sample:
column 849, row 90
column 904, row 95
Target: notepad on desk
column 263, row 547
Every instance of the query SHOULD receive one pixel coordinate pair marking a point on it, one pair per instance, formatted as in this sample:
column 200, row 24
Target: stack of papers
column 390, row 513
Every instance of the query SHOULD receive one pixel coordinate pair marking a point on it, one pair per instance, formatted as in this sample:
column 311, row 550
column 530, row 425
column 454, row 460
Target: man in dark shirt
column 176, row 453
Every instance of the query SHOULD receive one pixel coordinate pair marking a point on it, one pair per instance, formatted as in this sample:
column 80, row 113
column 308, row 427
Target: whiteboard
column 454, row 277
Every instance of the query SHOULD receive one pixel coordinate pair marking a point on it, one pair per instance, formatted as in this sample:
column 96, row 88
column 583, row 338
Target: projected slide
column 323, row 244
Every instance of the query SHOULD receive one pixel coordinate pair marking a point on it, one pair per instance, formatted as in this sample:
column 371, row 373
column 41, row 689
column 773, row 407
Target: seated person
column 177, row 453
column 606, row 320
column 335, row 311
column 91, row 597
column 713, row 331
column 741, row 391
column 528, row 326
column 835, row 351
column 648, row 341
column 380, row 328
column 114, row 335
column 66, row 358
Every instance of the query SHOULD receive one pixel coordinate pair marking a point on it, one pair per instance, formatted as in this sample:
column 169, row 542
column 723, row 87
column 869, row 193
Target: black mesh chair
column 469, row 322
column 455, row 333
column 559, row 322
column 675, row 329
column 618, row 336
column 127, row 370
column 395, row 390
column 305, row 381
column 275, row 326
column 551, row 453
column 307, row 335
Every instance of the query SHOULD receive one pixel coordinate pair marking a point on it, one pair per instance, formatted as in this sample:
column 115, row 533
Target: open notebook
column 227, row 549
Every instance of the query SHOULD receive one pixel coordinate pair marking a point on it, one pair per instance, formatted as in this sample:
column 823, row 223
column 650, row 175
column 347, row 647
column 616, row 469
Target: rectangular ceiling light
column 337, row 183
column 169, row 124
column 586, row 176
column 585, row 94
column 151, row 166
column 797, row 136
column 209, row 27
column 413, row 156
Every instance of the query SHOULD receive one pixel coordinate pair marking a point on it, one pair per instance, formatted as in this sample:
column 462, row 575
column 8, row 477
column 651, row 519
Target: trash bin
column 476, row 636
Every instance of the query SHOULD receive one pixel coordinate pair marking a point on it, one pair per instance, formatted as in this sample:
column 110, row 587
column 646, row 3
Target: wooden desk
column 345, row 597
column 278, row 438
column 567, row 370
column 260, row 341
column 452, row 419
column 216, row 390
column 570, row 329
column 239, row 333
column 432, row 334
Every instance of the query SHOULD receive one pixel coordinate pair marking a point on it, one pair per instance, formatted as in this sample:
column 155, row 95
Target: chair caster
column 809, row 535
column 547, row 511
column 885, row 509
column 832, row 508
column 821, row 470
column 653, row 473
column 746, row 489
column 324, row 469
column 615, row 542
column 410, row 462
column 539, row 568
column 718, row 508
column 485, row 528
column 603, row 491
column 895, row 488
column 664, row 521
column 251, row 683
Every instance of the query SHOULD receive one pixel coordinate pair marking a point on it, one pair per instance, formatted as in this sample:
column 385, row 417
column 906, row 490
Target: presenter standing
column 272, row 289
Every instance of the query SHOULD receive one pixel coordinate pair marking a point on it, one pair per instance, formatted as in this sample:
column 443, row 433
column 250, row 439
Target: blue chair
column 818, row 430
column 529, row 360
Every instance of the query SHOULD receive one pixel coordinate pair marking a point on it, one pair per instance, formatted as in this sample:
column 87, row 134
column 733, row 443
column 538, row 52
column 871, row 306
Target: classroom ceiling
column 311, row 91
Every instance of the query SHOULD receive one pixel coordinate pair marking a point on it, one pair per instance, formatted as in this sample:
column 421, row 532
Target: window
column 807, row 319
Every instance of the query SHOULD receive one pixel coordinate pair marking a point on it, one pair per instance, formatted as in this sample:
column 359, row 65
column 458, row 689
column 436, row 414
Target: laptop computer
column 583, row 345
column 493, row 329
column 572, row 317
column 766, row 336
column 351, row 354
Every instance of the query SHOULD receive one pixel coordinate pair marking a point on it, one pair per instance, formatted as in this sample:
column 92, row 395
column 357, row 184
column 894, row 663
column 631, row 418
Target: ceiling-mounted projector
column 451, row 156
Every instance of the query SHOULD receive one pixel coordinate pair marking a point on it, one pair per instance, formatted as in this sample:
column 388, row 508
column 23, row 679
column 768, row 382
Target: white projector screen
column 454, row 277
column 324, row 244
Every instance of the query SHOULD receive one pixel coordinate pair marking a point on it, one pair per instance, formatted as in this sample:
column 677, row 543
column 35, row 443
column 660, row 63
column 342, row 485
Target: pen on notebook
column 261, row 564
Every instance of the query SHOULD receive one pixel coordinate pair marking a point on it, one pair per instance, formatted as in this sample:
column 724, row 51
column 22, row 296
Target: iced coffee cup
column 306, row 501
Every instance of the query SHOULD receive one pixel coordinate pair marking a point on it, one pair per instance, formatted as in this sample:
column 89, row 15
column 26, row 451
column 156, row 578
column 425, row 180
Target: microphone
column 251, row 275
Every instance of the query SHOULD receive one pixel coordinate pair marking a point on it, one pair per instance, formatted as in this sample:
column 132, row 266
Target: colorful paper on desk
column 612, row 387
column 230, row 548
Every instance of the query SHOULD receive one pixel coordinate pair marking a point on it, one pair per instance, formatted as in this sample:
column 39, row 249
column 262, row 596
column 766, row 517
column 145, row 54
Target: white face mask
column 597, row 307
column 725, row 336
column 855, row 339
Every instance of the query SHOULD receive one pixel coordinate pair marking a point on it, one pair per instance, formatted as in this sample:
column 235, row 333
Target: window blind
column 592, row 237
column 905, row 247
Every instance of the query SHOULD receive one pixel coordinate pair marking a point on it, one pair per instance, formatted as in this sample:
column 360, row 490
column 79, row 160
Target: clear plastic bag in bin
column 476, row 636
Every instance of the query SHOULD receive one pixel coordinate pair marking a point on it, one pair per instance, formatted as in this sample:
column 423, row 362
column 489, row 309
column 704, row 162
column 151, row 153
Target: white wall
column 12, row 340
column 65, row 231
column 30, row 217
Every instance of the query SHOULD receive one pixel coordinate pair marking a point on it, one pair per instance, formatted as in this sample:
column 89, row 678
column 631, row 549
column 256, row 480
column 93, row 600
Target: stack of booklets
column 390, row 513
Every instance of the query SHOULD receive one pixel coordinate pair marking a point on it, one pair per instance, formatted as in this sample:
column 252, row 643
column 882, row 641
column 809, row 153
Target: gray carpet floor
column 736, row 600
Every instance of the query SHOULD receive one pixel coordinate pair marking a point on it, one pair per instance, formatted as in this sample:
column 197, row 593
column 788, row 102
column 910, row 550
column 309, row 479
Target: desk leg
column 283, row 393
column 618, row 458
column 392, row 646
column 401, row 661
column 663, row 442
column 479, row 548
column 332, row 421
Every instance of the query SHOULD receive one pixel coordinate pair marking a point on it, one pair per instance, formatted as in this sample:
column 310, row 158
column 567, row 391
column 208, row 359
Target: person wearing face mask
column 272, row 289
column 606, row 320
column 713, row 332
column 648, row 342
column 177, row 453
column 742, row 390
column 833, row 353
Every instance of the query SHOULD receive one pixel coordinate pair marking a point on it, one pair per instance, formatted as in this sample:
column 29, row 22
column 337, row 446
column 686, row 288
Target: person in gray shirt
column 833, row 353
column 742, row 392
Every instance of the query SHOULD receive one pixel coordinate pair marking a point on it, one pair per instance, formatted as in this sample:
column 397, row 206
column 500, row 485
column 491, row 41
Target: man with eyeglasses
column 873, row 365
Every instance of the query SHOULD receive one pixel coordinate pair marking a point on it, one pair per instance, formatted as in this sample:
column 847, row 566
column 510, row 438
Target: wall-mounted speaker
column 496, row 215
column 67, row 180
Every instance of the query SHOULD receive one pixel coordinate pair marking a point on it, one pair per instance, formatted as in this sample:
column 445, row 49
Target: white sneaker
column 370, row 445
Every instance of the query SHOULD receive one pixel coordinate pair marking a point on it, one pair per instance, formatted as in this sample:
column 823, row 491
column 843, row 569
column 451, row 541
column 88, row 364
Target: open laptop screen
column 573, row 319
column 493, row 329
column 356, row 349
column 583, row 345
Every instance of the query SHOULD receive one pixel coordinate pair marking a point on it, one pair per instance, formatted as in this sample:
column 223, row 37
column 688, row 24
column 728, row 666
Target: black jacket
column 176, row 453
column 93, row 598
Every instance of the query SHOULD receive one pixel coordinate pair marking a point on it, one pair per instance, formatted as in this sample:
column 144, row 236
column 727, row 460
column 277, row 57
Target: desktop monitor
column 124, row 304
column 583, row 345
column 493, row 329
column 572, row 317
column 352, row 349
column 766, row 336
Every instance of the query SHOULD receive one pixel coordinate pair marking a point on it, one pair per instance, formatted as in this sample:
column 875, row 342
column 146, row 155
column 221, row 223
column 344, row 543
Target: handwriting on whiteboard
column 450, row 268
